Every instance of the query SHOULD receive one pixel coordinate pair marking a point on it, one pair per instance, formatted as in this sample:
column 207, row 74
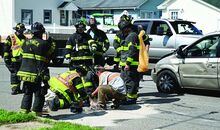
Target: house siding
column 206, row 18
column 6, row 13
column 151, row 6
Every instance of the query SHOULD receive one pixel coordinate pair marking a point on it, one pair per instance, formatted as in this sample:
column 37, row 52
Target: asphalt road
column 195, row 110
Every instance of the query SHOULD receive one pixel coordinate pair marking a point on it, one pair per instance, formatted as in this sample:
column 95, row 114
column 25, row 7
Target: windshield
column 183, row 27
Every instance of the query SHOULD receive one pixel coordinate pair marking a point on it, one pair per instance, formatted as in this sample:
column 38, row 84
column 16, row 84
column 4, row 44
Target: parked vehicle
column 193, row 66
column 168, row 35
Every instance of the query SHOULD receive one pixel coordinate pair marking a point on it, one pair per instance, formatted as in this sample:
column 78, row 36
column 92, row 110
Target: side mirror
column 180, row 51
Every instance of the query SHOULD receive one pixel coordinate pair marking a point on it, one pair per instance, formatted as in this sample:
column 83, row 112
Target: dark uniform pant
column 99, row 60
column 15, row 81
column 131, row 78
column 29, row 89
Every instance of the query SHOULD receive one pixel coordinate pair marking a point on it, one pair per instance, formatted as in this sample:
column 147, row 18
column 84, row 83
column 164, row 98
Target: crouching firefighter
column 34, row 70
column 69, row 90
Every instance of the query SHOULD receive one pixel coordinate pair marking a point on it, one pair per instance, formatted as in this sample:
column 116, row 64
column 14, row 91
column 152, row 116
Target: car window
column 160, row 25
column 183, row 27
column 144, row 24
column 204, row 48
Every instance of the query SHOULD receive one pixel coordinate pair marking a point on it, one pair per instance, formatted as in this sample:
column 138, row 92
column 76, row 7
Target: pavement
column 107, row 119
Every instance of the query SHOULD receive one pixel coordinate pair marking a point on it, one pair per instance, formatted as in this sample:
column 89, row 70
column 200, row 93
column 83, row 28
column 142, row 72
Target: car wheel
column 167, row 82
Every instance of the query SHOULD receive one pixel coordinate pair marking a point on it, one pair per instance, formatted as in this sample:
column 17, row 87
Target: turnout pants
column 131, row 78
column 15, row 81
column 31, row 89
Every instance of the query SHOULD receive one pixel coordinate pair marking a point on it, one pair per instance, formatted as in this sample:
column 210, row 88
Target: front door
column 199, row 68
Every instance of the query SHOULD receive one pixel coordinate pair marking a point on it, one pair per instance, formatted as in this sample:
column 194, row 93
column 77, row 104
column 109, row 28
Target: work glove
column 45, row 87
column 93, row 49
column 104, row 49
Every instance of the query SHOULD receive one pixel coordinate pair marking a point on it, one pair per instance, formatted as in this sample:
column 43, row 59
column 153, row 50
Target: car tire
column 168, row 83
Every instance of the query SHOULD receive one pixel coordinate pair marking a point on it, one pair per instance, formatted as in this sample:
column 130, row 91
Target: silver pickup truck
column 166, row 36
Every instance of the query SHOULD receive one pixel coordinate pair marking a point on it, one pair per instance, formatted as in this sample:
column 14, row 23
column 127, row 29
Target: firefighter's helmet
column 19, row 27
column 81, row 68
column 37, row 28
column 80, row 25
column 125, row 21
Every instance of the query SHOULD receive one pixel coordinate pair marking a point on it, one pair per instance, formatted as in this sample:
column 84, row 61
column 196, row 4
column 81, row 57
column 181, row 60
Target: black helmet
column 125, row 18
column 80, row 68
column 125, row 21
column 124, row 24
column 80, row 24
column 19, row 27
column 37, row 28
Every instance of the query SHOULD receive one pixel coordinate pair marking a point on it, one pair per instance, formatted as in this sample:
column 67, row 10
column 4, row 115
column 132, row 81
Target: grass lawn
column 9, row 117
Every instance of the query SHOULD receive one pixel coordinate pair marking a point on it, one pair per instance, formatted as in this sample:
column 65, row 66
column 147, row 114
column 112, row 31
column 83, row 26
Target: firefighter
column 34, row 69
column 111, row 86
column 67, row 86
column 78, row 48
column 12, row 55
column 101, row 40
column 90, row 81
column 129, row 57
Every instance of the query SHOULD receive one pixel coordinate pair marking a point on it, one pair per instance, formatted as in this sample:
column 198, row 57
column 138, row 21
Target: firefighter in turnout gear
column 69, row 90
column 129, row 57
column 78, row 49
column 90, row 83
column 34, row 69
column 12, row 55
column 101, row 40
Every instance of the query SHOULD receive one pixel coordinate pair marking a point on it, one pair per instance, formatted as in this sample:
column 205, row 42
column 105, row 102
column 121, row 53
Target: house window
column 47, row 16
column 174, row 14
column 26, row 16
column 64, row 17
column 147, row 14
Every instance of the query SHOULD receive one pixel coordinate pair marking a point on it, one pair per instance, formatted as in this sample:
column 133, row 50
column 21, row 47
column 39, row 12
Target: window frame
column 22, row 16
column 50, row 16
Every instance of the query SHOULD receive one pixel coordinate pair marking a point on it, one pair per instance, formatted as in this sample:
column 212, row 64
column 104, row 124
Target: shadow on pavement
column 130, row 107
column 157, row 94
column 158, row 101
column 78, row 116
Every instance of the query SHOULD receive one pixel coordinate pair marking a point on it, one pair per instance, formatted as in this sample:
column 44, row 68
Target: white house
column 51, row 13
column 206, row 16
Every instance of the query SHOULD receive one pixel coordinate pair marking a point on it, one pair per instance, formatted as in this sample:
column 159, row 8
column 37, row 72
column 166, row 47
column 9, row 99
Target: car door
column 162, row 43
column 199, row 67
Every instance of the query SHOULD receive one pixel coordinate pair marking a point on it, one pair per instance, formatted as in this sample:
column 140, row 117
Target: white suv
column 167, row 35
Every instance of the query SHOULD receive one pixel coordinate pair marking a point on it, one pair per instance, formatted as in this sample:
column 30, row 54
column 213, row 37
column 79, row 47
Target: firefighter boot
column 16, row 90
column 53, row 105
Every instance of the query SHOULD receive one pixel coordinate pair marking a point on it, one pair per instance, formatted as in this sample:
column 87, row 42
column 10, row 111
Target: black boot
column 15, row 91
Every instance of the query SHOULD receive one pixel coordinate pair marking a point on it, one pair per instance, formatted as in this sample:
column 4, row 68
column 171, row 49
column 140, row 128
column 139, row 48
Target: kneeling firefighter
column 69, row 90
